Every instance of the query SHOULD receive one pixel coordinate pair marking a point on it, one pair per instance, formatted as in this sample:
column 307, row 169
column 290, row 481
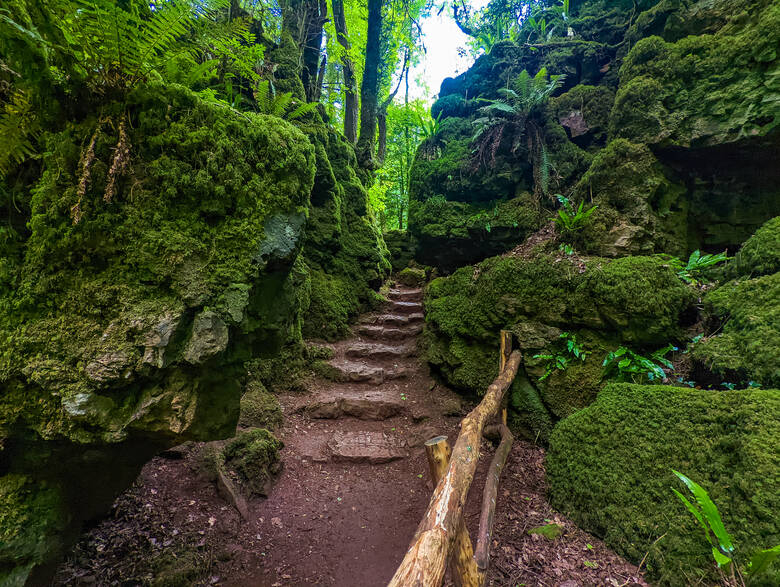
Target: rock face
column 643, row 432
column 125, row 330
column 636, row 301
column 667, row 119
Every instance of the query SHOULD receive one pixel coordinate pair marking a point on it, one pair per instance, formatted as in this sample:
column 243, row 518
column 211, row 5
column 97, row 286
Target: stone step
column 405, row 295
column 359, row 372
column 381, row 333
column 374, row 350
column 365, row 447
column 405, row 307
column 368, row 405
column 394, row 319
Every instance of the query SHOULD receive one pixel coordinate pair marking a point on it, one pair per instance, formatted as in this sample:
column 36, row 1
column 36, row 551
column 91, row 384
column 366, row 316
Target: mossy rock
column 401, row 247
column 747, row 347
column 635, row 301
column 259, row 408
column 254, row 456
column 642, row 208
column 411, row 276
column 760, row 255
column 450, row 234
column 703, row 89
column 549, row 531
column 126, row 319
column 609, row 468
column 584, row 112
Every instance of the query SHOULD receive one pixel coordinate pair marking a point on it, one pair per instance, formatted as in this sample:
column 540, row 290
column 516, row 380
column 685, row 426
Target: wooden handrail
column 426, row 560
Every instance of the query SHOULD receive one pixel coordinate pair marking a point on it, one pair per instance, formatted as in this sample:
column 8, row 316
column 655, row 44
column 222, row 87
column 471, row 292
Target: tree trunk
column 350, row 81
column 369, row 89
column 303, row 20
column 316, row 16
column 381, row 151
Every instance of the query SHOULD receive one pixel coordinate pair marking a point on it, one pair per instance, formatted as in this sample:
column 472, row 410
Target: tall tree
column 350, row 79
column 369, row 89
column 304, row 21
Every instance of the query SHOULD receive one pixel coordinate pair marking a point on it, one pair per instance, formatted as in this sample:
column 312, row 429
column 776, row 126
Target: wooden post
column 426, row 559
column 465, row 572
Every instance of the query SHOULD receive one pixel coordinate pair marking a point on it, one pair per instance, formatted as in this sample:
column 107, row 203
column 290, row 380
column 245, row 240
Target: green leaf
column 761, row 560
column 695, row 511
column 710, row 512
column 724, row 562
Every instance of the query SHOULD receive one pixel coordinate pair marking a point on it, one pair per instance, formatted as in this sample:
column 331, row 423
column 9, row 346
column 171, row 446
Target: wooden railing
column 442, row 537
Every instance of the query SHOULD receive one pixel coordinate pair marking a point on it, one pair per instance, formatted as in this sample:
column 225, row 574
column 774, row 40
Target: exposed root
column 120, row 161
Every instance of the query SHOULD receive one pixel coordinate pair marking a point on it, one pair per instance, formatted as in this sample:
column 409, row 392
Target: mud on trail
column 354, row 486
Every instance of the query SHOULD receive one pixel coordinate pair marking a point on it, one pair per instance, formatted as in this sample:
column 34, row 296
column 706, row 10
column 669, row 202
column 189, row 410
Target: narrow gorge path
column 354, row 486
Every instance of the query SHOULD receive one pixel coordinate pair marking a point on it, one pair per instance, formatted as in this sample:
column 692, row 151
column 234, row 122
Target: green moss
column 450, row 234
column 344, row 246
column 254, row 455
column 760, row 255
column 259, row 408
column 334, row 303
column 209, row 200
column 709, row 88
column 748, row 346
column 637, row 301
column 411, row 276
column 30, row 518
column 549, row 531
column 593, row 104
column 401, row 246
column 609, row 468
column 640, row 210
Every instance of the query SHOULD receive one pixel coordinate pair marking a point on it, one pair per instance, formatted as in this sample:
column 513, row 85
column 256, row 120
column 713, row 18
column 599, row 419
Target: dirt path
column 353, row 489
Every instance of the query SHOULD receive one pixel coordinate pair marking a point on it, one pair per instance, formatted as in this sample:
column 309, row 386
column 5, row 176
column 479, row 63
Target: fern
column 269, row 102
column 18, row 128
column 120, row 48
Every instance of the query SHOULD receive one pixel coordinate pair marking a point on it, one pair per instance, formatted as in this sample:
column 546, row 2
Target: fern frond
column 301, row 110
column 18, row 128
column 281, row 103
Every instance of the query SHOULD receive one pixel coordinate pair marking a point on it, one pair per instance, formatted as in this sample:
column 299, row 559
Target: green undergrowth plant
column 571, row 219
column 429, row 126
column 568, row 350
column 281, row 105
column 623, row 364
column 723, row 549
column 692, row 270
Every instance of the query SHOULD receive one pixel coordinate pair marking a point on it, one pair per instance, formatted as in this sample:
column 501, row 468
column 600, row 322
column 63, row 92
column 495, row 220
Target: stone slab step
column 375, row 350
column 359, row 372
column 368, row 405
column 397, row 307
column 366, row 447
column 405, row 295
column 395, row 319
column 378, row 332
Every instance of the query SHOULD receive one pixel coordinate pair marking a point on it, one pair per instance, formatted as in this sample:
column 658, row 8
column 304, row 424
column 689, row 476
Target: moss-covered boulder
column 253, row 456
column 259, row 408
column 344, row 247
column 401, row 248
column 704, row 89
column 760, row 255
column 747, row 346
column 636, row 301
column 126, row 313
column 609, row 468
column 411, row 276
column 642, row 207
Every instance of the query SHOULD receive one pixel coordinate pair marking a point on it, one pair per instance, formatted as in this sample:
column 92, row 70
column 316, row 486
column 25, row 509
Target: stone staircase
column 367, row 386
